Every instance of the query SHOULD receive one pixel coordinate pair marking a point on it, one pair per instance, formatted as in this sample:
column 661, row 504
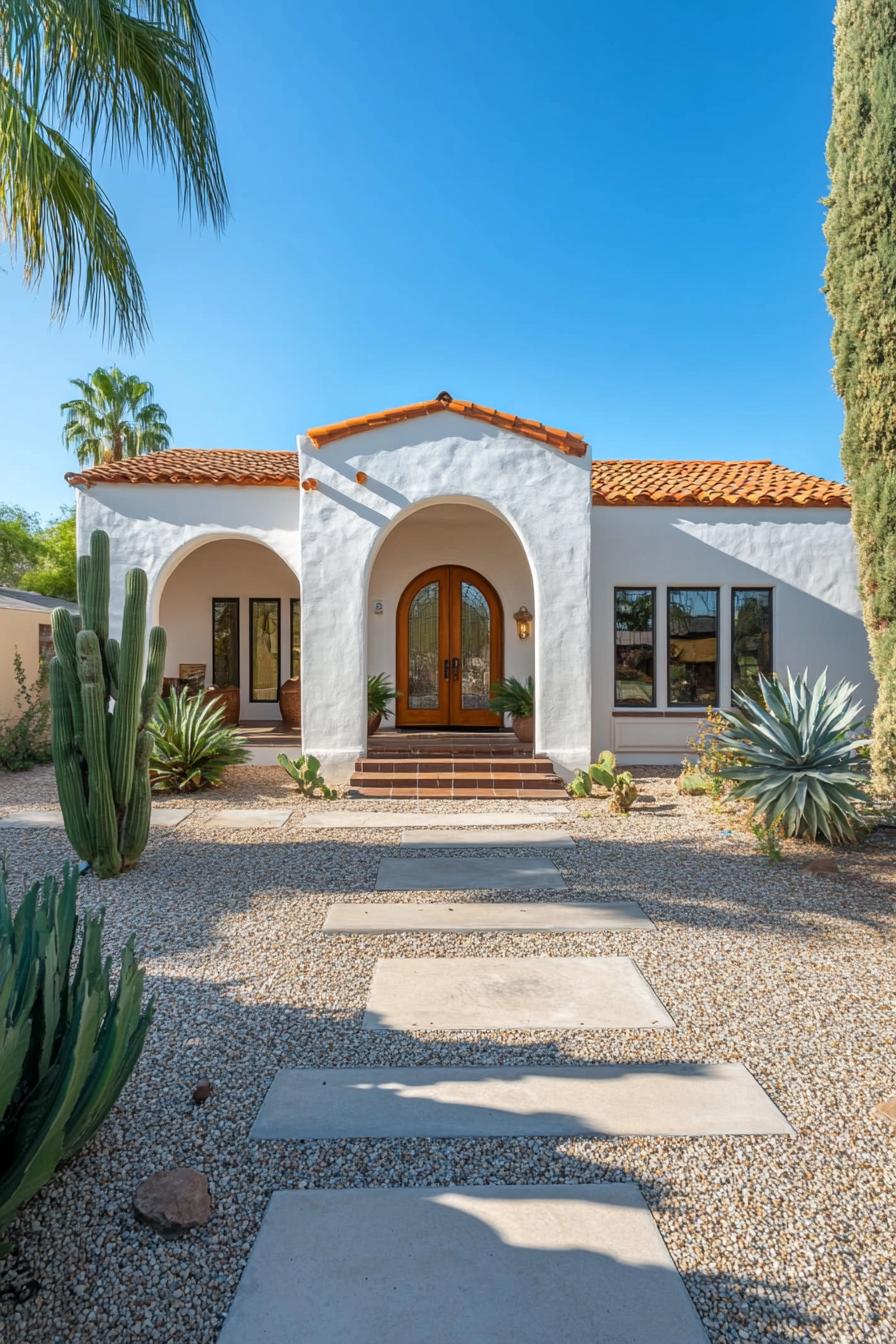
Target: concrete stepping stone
column 486, row 838
column 611, row 1100
column 511, row 993
column 32, row 820
column 376, row 821
column 477, row 916
column 498, row 1264
column 502, row 873
column 248, row 818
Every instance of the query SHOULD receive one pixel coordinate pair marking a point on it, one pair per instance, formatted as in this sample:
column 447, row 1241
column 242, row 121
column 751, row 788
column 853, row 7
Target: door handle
column 446, row 672
column 455, row 667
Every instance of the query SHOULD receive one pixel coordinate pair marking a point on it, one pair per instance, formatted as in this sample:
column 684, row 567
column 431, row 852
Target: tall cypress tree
column 860, row 283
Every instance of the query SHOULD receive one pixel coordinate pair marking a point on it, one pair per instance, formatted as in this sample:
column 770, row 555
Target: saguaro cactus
column 102, row 704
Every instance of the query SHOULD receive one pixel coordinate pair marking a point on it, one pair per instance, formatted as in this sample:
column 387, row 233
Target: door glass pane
column 295, row 637
column 634, row 646
column 751, row 638
column 475, row 647
column 423, row 649
column 226, row 641
column 693, row 646
column 264, row 619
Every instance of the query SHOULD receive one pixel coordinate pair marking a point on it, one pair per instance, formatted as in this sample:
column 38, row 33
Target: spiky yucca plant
column 794, row 756
column 193, row 747
column 68, row 1040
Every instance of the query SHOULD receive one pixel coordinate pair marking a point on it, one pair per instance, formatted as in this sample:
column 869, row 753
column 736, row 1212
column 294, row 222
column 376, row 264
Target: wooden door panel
column 449, row 649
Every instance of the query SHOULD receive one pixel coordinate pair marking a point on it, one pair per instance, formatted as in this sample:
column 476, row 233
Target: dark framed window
column 264, row 649
column 751, row 638
column 295, row 636
column 225, row 641
column 634, row 624
column 693, row 646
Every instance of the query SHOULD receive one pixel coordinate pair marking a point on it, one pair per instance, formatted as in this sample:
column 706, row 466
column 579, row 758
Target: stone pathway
column 43, row 819
column 331, row 820
column 249, row 818
column 419, row 873
column 446, row 839
column 581, row 1264
column 486, row 916
column 503, row 1264
column 608, row 1100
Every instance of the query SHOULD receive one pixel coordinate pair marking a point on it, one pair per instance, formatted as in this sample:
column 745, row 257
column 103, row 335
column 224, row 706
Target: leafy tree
column 19, row 546
column 41, row 559
column 860, row 283
column 85, row 80
column 56, row 572
column 115, row 417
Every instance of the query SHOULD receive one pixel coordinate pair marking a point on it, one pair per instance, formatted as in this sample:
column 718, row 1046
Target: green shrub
column 380, row 694
column 791, row 757
column 68, row 1041
column 511, row 697
column 25, row 735
column 305, row 770
column 192, row 746
column 693, row 781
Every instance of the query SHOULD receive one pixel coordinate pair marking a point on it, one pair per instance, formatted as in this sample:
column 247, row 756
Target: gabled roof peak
column 567, row 442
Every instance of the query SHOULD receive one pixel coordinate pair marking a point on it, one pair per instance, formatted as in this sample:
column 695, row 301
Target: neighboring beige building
column 24, row 625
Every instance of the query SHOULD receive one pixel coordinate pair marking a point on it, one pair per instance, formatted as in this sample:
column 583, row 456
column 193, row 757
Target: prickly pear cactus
column 305, row 770
column 102, row 703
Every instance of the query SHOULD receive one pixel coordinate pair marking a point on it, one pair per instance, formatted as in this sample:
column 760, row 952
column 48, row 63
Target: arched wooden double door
column 449, row 650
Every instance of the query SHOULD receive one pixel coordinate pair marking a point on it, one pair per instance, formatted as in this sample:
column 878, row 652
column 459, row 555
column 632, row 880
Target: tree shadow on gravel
column 202, row 1029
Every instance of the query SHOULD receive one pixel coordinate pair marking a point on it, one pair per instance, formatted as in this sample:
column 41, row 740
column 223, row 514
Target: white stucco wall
column 156, row 526
column 544, row 497
column 450, row 534
column 240, row 569
column 807, row 556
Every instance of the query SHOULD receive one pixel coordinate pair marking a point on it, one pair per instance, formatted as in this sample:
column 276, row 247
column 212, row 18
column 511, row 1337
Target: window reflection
column 634, row 652
column 751, row 638
column 693, row 633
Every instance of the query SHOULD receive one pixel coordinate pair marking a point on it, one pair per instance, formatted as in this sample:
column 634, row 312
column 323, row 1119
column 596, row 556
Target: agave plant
column 794, row 756
column 68, row 1042
column 193, row 746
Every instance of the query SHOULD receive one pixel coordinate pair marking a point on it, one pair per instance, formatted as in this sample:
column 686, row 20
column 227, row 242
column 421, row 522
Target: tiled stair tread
column 366, row 791
column 410, row 763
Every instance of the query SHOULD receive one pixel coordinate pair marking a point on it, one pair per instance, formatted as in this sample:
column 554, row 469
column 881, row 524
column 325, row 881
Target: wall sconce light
column 361, row 477
column 309, row 483
column 524, row 619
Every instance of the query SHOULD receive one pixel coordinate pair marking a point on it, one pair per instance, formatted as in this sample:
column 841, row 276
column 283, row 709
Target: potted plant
column 512, row 697
column 380, row 694
column 290, row 701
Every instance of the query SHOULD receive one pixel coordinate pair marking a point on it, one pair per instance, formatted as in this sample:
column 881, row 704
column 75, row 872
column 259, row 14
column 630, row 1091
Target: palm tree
column 115, row 78
column 115, row 417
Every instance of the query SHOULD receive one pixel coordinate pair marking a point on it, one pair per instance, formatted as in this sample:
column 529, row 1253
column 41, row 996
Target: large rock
column 174, row 1201
column 886, row 1110
column 825, row 867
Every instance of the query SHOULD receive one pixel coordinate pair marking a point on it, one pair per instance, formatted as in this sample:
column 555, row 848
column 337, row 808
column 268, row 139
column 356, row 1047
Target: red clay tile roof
column 573, row 444
column 612, row 481
column 195, row 466
column 759, row 482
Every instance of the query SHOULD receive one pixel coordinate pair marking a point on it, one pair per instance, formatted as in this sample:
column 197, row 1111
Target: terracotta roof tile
column 759, row 482
column 195, row 466
column 573, row 444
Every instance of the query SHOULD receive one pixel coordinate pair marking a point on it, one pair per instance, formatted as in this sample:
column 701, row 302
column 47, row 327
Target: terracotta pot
column 373, row 722
column 229, row 698
column 524, row 728
column 291, row 702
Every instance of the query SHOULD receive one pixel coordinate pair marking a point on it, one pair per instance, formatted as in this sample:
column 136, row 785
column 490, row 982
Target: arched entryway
column 449, row 650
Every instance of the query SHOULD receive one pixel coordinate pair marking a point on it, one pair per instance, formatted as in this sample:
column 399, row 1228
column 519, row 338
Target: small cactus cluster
column 305, row 770
column 619, row 785
column 100, row 750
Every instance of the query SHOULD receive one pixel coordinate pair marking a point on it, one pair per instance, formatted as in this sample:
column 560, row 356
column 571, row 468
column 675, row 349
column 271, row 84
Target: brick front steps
column 480, row 776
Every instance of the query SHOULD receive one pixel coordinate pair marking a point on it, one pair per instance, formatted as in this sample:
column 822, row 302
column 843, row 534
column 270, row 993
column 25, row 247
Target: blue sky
column 602, row 216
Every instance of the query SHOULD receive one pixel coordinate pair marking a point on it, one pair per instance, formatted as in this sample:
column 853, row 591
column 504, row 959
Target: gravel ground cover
column 778, row 1239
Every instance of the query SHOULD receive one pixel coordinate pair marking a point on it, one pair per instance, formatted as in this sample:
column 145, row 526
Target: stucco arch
column 189, row 546
column 363, row 487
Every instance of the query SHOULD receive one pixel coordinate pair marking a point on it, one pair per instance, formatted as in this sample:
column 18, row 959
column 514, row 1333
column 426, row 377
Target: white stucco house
column 409, row 541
